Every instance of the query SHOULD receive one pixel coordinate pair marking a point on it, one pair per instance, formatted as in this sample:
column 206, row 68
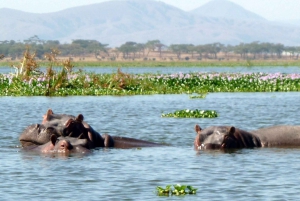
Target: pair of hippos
column 62, row 133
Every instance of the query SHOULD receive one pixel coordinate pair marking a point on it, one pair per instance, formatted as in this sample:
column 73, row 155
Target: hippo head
column 65, row 125
column 216, row 137
column 75, row 128
column 56, row 119
column 37, row 134
column 63, row 145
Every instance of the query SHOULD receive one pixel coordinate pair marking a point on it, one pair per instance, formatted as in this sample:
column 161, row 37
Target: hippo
column 59, row 145
column 279, row 136
column 70, row 126
column 224, row 137
column 229, row 137
column 39, row 134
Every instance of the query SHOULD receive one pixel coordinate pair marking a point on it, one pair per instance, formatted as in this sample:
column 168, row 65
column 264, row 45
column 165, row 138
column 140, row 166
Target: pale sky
column 269, row 9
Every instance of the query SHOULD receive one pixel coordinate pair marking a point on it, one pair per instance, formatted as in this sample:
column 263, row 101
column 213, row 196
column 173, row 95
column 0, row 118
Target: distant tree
column 200, row 49
column 178, row 49
column 140, row 47
column 278, row 49
column 159, row 46
column 227, row 49
column 127, row 48
column 213, row 49
column 52, row 42
column 34, row 40
column 91, row 46
column 241, row 49
column 151, row 45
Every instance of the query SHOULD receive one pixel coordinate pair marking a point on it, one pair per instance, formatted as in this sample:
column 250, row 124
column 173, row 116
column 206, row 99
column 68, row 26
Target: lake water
column 134, row 174
column 169, row 70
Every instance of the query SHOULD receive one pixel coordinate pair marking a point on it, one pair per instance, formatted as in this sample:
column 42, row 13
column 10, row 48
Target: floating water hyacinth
column 175, row 190
column 192, row 114
column 197, row 96
column 119, row 83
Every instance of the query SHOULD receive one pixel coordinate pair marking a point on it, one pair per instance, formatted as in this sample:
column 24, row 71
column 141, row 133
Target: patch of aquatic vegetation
column 192, row 114
column 197, row 96
column 176, row 190
column 30, row 81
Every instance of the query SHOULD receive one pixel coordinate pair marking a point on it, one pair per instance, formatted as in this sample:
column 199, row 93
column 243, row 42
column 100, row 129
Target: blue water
column 133, row 174
column 170, row 70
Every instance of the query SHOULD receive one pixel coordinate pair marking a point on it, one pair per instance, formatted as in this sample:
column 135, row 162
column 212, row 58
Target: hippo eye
column 49, row 130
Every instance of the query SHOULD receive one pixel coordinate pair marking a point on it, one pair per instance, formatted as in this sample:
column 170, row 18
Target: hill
column 116, row 22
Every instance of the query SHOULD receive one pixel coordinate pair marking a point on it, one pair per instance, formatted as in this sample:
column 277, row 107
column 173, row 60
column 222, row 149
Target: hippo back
column 279, row 136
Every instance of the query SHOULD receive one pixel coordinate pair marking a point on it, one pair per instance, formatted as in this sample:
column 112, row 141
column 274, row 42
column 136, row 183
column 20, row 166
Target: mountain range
column 117, row 22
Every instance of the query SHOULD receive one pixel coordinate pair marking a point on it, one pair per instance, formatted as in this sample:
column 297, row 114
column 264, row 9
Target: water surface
column 133, row 174
column 178, row 69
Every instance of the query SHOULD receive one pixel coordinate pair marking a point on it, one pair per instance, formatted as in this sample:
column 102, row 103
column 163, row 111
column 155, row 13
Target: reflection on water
column 133, row 174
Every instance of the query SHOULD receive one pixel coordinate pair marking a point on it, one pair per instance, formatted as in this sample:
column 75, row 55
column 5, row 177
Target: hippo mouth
column 222, row 145
column 211, row 146
column 27, row 143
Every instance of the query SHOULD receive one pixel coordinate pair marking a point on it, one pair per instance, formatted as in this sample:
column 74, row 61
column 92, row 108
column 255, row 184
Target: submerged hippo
column 228, row 137
column 59, row 145
column 224, row 137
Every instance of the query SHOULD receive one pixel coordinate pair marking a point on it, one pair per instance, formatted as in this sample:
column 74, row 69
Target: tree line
column 132, row 50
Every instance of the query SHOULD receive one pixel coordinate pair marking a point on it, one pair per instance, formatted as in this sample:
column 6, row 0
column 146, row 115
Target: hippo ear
column 68, row 123
column 198, row 129
column 47, row 116
column 53, row 139
column 231, row 131
column 49, row 112
column 79, row 118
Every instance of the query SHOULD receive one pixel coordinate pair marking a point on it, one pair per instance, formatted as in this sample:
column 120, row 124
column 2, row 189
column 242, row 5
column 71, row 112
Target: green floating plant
column 197, row 96
column 176, row 190
column 192, row 114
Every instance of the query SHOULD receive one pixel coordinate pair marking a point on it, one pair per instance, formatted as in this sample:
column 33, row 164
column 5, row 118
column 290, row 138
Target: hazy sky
column 269, row 9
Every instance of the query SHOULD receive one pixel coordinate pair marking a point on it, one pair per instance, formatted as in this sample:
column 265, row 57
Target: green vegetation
column 197, row 96
column 29, row 81
column 67, row 83
column 176, row 190
column 192, row 114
